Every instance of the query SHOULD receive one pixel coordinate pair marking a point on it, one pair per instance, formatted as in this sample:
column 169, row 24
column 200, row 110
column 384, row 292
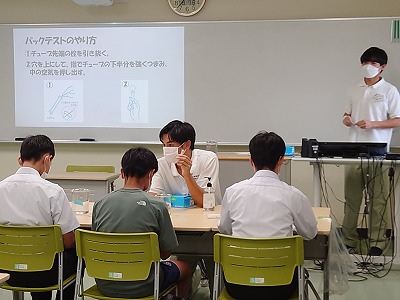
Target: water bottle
column 209, row 196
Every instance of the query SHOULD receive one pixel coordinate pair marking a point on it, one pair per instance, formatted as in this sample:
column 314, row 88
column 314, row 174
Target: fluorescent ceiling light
column 94, row 2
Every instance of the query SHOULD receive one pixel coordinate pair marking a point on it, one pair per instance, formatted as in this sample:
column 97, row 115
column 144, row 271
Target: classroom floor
column 364, row 286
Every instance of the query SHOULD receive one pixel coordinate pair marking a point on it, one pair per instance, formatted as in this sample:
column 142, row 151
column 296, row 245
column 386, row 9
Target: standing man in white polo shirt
column 371, row 113
column 184, row 170
column 26, row 198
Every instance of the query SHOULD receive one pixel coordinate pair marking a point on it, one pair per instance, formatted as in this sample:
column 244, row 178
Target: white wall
column 56, row 11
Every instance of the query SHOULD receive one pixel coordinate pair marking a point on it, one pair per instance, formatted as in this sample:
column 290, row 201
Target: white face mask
column 171, row 154
column 44, row 174
column 370, row 71
column 150, row 181
column 148, row 186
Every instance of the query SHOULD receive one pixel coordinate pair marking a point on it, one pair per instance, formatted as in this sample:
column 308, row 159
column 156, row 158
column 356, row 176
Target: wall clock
column 186, row 8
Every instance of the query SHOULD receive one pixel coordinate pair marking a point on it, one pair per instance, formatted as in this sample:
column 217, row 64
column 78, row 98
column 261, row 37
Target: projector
column 314, row 148
column 94, row 2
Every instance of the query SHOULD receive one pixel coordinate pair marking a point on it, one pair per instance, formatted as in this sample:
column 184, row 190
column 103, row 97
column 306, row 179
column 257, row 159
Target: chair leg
column 217, row 279
column 309, row 284
column 79, row 280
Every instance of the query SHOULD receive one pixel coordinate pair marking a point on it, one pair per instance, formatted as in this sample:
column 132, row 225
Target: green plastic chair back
column 100, row 169
column 32, row 249
column 117, row 257
column 259, row 261
column 29, row 248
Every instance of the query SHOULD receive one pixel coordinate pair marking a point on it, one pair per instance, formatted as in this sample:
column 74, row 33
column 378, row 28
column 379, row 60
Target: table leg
column 326, row 281
column 18, row 295
column 316, row 185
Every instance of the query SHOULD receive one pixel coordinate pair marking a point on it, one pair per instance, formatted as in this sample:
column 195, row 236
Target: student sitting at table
column 131, row 209
column 26, row 198
column 264, row 206
column 183, row 169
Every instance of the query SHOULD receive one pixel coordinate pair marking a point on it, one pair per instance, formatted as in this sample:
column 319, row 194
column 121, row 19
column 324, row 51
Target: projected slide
column 116, row 77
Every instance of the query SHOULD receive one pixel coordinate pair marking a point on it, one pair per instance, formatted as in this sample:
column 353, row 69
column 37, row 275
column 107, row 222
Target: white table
column 196, row 219
column 100, row 183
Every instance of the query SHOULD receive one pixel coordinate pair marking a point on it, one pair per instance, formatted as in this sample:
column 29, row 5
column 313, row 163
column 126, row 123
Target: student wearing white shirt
column 184, row 169
column 26, row 198
column 264, row 206
column 371, row 113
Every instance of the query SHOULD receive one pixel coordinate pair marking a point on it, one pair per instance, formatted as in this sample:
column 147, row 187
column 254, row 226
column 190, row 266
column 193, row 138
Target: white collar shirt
column 264, row 206
column 167, row 180
column 378, row 102
column 28, row 199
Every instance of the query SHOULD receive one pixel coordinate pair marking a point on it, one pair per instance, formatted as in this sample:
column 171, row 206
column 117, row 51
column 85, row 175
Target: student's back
column 264, row 206
column 132, row 211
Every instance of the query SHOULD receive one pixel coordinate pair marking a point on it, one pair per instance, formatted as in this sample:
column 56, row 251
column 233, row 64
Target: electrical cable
column 374, row 170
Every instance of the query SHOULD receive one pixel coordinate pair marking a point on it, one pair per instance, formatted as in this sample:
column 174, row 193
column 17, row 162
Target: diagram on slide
column 134, row 105
column 63, row 101
column 134, row 101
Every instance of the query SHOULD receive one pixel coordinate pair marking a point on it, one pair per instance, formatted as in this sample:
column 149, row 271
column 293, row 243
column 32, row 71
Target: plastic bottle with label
column 209, row 196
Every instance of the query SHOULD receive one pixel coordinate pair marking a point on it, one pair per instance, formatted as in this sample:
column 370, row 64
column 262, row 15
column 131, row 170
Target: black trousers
column 46, row 278
column 282, row 292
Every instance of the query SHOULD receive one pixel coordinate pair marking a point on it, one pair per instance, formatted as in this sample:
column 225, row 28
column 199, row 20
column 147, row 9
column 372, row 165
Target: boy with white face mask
column 27, row 199
column 371, row 113
column 183, row 169
column 131, row 209
column 263, row 206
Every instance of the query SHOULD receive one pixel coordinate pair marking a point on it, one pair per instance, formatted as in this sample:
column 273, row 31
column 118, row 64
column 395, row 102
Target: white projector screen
column 228, row 79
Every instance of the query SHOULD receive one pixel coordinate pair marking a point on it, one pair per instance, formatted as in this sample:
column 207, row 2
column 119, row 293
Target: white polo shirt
column 378, row 102
column 204, row 164
column 264, row 206
column 28, row 199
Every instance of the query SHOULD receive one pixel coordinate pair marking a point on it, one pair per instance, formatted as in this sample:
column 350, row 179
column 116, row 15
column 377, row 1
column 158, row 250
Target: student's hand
column 185, row 163
column 347, row 120
column 364, row 124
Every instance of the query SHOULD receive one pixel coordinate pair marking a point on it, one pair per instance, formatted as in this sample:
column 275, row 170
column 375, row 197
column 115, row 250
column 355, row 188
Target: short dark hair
column 35, row 146
column 138, row 162
column 180, row 132
column 374, row 54
column 266, row 148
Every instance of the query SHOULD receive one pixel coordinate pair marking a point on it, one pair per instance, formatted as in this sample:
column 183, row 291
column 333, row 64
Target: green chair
column 258, row 262
column 117, row 257
column 32, row 249
column 99, row 169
